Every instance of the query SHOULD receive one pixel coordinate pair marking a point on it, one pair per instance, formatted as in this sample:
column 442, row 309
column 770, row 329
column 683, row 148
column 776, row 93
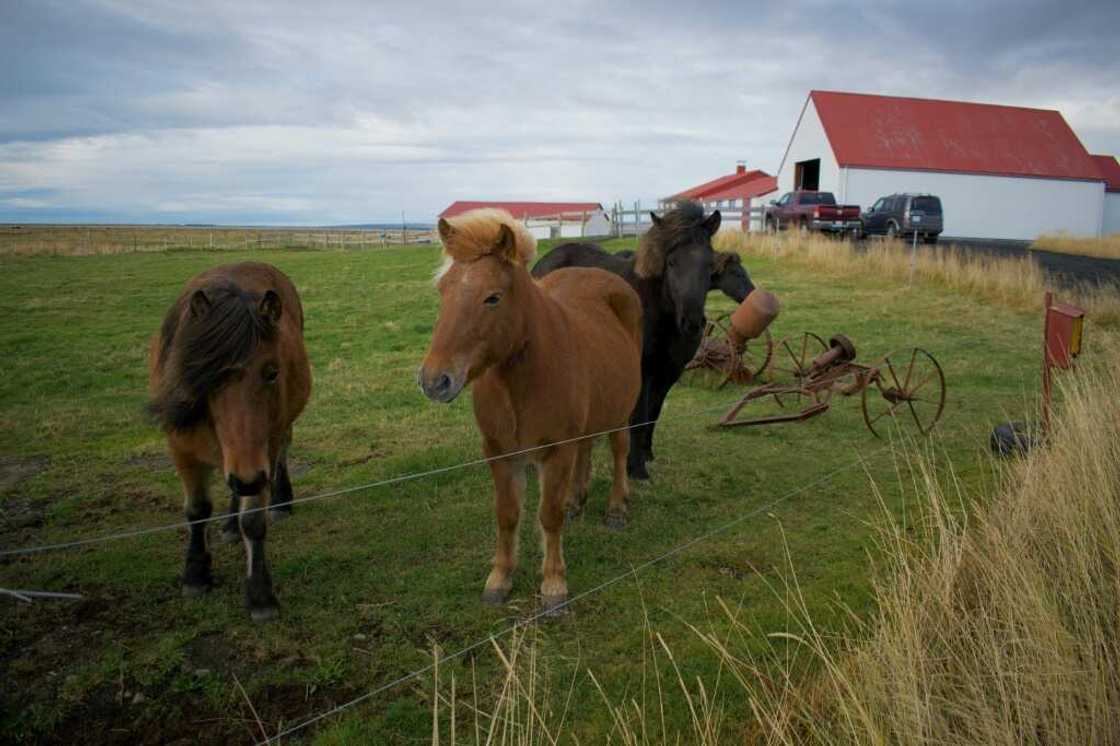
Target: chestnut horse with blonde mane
column 549, row 362
column 228, row 377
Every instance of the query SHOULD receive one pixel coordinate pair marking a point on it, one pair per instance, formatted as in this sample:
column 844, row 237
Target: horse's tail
column 627, row 307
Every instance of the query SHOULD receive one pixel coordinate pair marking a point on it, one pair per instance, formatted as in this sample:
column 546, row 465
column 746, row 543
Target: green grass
column 368, row 582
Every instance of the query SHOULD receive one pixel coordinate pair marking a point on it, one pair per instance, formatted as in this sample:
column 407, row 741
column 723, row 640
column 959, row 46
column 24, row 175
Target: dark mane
column 675, row 227
column 198, row 350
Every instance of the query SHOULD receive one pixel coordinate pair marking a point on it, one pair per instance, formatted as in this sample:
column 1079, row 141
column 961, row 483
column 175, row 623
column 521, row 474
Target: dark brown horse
column 672, row 273
column 547, row 362
column 228, row 377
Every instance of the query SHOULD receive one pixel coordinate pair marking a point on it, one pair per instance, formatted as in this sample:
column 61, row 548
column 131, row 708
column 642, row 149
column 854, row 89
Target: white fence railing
column 634, row 221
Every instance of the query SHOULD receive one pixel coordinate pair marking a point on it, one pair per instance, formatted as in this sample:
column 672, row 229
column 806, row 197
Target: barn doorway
column 807, row 174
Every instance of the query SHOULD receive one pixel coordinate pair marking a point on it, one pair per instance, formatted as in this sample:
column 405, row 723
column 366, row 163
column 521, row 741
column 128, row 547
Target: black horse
column 672, row 273
column 729, row 276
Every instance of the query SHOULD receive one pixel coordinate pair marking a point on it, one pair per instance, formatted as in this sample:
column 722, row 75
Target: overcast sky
column 330, row 112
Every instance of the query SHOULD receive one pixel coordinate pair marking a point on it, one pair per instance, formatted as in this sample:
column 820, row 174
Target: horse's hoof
column 264, row 614
column 638, row 472
column 495, row 596
column 615, row 521
column 229, row 536
column 554, row 606
column 279, row 515
column 195, row 591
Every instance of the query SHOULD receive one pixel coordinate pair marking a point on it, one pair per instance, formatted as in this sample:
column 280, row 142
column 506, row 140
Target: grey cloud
column 342, row 112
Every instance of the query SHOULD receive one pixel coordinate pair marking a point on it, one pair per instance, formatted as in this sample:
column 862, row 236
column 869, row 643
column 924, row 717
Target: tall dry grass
column 1107, row 247
column 1015, row 282
column 997, row 622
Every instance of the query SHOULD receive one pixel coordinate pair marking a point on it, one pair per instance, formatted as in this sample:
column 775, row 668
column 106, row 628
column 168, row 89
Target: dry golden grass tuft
column 1018, row 283
column 1061, row 243
column 999, row 623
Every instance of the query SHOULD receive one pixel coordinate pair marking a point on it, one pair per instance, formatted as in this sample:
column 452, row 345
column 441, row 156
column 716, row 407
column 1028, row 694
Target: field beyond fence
column 82, row 240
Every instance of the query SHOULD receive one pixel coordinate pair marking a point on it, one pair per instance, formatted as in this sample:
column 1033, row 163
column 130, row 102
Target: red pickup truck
column 815, row 211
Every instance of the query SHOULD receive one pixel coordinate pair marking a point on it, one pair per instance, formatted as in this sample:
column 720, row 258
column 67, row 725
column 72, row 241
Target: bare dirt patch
column 15, row 469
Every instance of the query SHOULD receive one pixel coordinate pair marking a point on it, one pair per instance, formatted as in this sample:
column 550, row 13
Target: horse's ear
column 200, row 304
column 506, row 245
column 446, row 230
column 654, row 217
column 270, row 306
column 711, row 223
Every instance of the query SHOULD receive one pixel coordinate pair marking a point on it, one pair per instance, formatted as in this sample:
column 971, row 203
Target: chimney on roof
column 740, row 167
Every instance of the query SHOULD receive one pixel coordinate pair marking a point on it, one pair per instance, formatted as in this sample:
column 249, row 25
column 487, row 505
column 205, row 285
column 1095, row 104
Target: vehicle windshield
column 818, row 198
column 926, row 205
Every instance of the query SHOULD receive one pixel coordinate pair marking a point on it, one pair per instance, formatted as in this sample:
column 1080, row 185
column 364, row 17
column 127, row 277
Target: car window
column 825, row 198
column 809, row 199
column 784, row 200
column 879, row 204
column 927, row 205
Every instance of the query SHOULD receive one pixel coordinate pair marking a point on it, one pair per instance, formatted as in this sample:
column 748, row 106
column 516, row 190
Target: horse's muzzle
column 439, row 385
column 242, row 488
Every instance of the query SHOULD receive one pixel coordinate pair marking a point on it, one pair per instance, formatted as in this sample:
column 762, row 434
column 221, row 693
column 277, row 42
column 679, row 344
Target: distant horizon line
column 134, row 224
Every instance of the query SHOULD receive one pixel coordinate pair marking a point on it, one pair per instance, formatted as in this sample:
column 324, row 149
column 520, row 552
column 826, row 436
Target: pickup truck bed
column 810, row 210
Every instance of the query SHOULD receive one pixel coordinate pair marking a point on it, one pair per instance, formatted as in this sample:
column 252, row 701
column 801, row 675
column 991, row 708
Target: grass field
column 371, row 581
column 1107, row 247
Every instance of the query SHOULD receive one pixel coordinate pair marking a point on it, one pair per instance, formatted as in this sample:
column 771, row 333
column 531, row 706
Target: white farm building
column 1000, row 171
column 547, row 219
column 1110, row 170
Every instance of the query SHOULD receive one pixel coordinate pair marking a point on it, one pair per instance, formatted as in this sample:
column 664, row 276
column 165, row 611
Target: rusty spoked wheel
column 907, row 390
column 745, row 367
column 792, row 360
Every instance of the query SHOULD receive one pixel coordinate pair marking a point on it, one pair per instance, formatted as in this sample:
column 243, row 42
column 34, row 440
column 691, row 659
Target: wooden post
column 638, row 218
column 583, row 225
column 913, row 258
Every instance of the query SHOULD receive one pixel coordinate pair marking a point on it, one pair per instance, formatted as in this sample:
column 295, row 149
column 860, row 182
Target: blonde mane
column 479, row 233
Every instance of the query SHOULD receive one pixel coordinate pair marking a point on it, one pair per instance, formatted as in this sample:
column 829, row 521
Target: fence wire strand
column 344, row 490
column 632, row 572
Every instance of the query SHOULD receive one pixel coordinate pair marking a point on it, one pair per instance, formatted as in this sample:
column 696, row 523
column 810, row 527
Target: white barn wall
column 809, row 141
column 1111, row 213
column 977, row 206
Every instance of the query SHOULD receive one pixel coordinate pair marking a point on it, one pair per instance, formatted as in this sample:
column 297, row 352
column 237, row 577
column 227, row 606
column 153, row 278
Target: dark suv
column 904, row 214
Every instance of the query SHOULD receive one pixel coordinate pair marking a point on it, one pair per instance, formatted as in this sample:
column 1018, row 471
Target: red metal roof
column 929, row 135
column 720, row 185
column 1110, row 170
column 754, row 188
column 522, row 210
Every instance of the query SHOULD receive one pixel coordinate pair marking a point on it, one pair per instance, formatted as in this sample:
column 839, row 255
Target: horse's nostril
column 443, row 383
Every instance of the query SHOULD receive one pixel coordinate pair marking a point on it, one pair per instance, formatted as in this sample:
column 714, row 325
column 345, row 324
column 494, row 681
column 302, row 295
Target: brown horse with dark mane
column 549, row 362
column 228, row 377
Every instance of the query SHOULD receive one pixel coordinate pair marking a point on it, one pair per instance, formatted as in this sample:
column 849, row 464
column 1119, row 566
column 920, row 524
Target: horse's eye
column 492, row 299
column 270, row 374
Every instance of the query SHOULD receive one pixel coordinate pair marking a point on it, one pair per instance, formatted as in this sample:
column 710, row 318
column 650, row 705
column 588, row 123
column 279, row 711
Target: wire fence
column 632, row 572
column 413, row 476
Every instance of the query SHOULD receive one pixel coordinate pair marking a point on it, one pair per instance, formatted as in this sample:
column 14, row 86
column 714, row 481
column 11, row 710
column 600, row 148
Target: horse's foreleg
column 231, row 526
column 259, row 598
column 581, row 479
column 636, row 462
column 281, row 506
column 659, row 389
column 197, row 577
column 509, row 488
column 556, row 482
column 620, row 486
